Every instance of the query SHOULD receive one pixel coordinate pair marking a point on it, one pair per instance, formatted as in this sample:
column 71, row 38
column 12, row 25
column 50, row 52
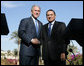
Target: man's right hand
column 35, row 41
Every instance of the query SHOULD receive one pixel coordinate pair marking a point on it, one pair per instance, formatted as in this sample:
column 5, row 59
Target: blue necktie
column 49, row 30
column 36, row 25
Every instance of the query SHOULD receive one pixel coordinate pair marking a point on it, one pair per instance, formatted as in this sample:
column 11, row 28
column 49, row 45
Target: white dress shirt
column 52, row 23
column 34, row 21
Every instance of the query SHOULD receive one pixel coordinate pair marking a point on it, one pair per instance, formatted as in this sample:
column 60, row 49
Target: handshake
column 35, row 41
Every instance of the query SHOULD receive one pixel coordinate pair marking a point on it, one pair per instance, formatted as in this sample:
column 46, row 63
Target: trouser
column 49, row 62
column 29, row 60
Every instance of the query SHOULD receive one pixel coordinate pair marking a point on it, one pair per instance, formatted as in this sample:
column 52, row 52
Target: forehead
column 50, row 12
column 36, row 8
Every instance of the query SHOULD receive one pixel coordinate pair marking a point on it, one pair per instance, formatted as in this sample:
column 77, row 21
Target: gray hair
column 35, row 6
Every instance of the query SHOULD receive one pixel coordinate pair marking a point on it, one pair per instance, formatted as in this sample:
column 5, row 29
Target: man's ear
column 55, row 16
column 31, row 11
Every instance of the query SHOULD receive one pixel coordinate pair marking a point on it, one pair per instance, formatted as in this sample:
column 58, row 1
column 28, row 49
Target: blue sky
column 17, row 10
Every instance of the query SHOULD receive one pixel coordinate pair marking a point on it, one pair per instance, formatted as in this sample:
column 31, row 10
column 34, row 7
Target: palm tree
column 8, row 52
column 15, row 36
column 15, row 54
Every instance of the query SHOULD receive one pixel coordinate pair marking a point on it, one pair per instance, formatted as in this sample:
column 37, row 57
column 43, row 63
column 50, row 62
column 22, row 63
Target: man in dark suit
column 29, row 30
column 53, row 45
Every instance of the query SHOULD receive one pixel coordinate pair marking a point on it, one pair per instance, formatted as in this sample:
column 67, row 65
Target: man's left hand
column 63, row 56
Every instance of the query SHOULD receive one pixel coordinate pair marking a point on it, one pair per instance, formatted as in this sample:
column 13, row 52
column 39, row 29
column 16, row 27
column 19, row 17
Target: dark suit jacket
column 55, row 45
column 26, row 32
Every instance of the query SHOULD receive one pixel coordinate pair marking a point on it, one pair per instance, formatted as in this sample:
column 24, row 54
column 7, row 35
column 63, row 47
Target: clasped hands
column 35, row 41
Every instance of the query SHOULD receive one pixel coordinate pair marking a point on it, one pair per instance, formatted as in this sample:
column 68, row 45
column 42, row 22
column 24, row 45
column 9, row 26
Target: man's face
column 35, row 12
column 50, row 16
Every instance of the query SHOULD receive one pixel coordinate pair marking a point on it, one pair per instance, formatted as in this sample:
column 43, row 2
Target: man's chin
column 36, row 17
column 50, row 21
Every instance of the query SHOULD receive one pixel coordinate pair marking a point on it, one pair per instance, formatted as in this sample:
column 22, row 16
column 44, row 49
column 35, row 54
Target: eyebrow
column 49, row 14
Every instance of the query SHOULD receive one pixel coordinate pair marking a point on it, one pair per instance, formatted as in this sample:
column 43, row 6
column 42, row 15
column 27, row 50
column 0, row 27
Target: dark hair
column 50, row 10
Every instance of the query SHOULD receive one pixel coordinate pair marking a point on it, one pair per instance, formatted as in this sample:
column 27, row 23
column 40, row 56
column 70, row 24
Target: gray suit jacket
column 26, row 32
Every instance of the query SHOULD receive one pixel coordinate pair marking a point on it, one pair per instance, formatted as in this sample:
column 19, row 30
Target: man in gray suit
column 29, row 32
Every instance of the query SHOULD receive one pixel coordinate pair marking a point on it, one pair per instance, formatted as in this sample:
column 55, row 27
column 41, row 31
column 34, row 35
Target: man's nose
column 37, row 13
column 49, row 17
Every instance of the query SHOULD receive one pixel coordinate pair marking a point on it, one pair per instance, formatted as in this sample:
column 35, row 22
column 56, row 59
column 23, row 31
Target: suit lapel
column 46, row 29
column 39, row 26
column 34, row 28
column 33, row 25
column 55, row 27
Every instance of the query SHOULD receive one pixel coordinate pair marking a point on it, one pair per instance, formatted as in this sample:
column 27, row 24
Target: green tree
column 8, row 52
column 15, row 53
column 74, row 48
column 15, row 36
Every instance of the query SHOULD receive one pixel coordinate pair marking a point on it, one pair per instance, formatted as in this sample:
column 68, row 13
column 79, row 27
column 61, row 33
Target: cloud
column 9, row 4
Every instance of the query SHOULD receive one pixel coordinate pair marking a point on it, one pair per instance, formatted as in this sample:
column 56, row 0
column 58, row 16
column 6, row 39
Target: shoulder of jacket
column 60, row 22
column 25, row 19
column 45, row 25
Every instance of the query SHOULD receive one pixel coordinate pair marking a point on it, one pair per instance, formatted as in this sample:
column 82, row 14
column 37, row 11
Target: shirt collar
column 33, row 18
column 52, row 23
